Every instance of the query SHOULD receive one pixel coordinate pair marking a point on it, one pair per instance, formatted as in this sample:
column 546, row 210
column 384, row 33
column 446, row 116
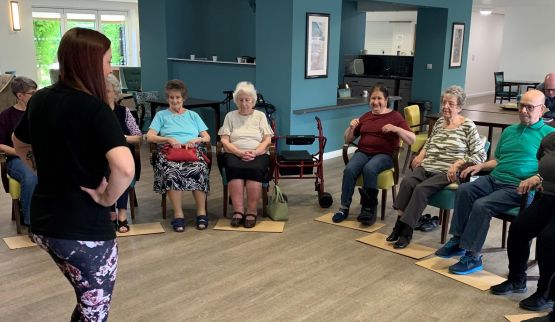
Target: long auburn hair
column 80, row 56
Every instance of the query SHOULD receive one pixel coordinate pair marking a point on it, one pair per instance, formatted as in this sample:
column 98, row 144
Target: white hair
column 114, row 82
column 246, row 88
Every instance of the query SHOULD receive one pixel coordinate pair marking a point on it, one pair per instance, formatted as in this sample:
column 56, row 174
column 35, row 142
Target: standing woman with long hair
column 73, row 140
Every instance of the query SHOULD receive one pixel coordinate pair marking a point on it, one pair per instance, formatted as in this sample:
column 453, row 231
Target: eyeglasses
column 449, row 104
column 548, row 90
column 528, row 107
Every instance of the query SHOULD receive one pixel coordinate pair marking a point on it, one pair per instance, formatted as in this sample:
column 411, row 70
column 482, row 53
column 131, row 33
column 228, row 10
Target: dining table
column 482, row 115
column 190, row 103
column 519, row 83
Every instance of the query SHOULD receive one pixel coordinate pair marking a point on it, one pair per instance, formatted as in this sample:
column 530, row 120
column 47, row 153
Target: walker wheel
column 325, row 199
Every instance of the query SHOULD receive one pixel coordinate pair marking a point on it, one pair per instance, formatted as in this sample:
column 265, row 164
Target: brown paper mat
column 143, row 229
column 481, row 280
column 350, row 223
column 262, row 226
column 522, row 317
column 413, row 250
column 21, row 241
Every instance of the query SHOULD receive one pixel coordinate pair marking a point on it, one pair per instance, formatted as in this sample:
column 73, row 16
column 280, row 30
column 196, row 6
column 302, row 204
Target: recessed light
column 485, row 12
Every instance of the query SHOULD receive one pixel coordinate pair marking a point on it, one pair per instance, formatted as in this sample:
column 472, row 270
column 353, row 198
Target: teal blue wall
column 274, row 56
column 353, row 25
column 276, row 35
column 154, row 56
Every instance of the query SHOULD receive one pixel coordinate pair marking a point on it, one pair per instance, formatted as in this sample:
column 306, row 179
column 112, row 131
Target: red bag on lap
column 183, row 154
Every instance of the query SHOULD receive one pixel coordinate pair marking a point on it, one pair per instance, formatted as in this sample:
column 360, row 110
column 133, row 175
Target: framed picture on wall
column 317, row 43
column 457, row 42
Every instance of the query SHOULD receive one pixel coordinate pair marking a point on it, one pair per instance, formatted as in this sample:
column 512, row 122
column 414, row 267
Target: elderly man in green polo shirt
column 514, row 172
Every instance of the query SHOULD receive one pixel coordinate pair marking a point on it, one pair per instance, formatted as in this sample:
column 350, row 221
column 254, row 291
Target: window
column 50, row 24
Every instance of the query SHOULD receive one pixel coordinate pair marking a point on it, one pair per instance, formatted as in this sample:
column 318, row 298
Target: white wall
column 389, row 32
column 528, row 46
column 484, row 53
column 17, row 48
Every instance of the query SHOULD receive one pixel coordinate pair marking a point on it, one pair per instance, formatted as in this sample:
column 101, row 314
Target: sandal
column 249, row 223
column 237, row 221
column 202, row 222
column 123, row 226
column 178, row 225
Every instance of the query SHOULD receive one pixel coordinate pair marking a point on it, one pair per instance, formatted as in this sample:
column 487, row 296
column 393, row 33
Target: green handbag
column 277, row 206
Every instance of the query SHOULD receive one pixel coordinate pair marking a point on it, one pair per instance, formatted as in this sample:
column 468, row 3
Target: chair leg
column 445, row 225
column 264, row 202
column 16, row 211
column 164, row 206
column 226, row 200
column 132, row 202
column 384, row 199
column 407, row 158
column 504, row 235
column 393, row 193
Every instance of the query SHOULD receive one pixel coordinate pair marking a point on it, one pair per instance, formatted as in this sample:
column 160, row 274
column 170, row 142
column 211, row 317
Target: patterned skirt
column 182, row 176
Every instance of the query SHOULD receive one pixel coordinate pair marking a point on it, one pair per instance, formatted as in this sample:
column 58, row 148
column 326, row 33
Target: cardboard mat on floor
column 23, row 241
column 413, row 250
column 481, row 280
column 350, row 223
column 143, row 229
column 262, row 226
column 522, row 317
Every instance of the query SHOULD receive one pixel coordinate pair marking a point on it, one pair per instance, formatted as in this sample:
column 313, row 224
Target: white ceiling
column 499, row 6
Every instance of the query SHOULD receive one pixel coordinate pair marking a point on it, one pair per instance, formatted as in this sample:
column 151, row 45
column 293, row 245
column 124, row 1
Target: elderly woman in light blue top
column 178, row 126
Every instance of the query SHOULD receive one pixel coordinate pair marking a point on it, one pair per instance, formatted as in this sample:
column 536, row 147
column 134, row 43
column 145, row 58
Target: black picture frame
column 457, row 45
column 317, row 45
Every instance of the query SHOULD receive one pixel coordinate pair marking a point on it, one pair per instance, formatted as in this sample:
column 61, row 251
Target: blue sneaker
column 450, row 249
column 467, row 264
column 340, row 216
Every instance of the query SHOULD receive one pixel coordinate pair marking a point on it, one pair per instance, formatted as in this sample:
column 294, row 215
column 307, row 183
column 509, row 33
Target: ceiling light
column 485, row 12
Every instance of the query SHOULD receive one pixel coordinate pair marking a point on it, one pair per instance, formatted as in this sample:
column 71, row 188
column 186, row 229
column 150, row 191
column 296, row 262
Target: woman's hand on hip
column 97, row 194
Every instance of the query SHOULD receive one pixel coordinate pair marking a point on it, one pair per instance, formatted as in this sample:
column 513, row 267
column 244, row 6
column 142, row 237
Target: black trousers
column 538, row 220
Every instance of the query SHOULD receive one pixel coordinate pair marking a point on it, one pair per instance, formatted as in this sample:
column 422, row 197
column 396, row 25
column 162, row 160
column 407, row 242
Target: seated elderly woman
column 453, row 145
column 178, row 127
column 245, row 136
column 380, row 131
column 133, row 135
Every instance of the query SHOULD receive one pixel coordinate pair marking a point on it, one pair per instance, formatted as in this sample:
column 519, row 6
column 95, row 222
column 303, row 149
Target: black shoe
column 368, row 198
column 396, row 231
column 430, row 224
column 422, row 220
column 405, row 237
column 367, row 216
column 508, row 287
column 536, row 302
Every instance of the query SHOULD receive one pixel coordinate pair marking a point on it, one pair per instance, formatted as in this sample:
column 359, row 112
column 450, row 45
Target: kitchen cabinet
column 358, row 84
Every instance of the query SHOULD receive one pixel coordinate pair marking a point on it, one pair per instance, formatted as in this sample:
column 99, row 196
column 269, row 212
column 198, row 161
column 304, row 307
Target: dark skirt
column 182, row 176
column 255, row 170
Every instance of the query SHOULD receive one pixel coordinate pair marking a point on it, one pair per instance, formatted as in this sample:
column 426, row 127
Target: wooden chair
column 386, row 179
column 265, row 182
column 412, row 116
column 132, row 193
column 500, row 92
column 154, row 150
column 12, row 187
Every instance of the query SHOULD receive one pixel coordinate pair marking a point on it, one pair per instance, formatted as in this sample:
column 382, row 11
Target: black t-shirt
column 70, row 133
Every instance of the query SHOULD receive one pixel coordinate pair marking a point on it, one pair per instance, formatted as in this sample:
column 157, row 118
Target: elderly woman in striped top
column 453, row 145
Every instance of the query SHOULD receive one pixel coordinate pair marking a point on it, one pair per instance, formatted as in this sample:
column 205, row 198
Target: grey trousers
column 414, row 191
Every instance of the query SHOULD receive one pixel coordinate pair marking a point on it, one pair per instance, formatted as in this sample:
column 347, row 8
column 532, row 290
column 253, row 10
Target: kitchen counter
column 381, row 76
column 341, row 103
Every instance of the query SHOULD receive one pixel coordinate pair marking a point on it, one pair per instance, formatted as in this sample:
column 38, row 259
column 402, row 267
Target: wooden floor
column 310, row 272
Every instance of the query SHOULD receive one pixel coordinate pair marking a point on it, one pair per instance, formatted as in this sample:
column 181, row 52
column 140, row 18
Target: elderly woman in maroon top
column 380, row 131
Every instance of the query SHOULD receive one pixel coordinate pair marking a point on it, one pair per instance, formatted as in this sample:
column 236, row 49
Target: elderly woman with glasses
column 23, row 88
column 453, row 145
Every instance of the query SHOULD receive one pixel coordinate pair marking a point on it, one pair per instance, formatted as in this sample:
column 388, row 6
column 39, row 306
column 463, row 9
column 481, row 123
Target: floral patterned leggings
column 90, row 267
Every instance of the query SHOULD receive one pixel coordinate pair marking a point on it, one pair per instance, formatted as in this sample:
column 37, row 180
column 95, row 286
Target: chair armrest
column 396, row 164
column 345, row 151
